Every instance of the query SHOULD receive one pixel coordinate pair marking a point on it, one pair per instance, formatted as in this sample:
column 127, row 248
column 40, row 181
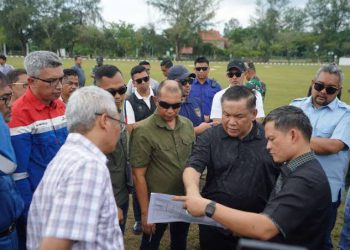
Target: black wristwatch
column 210, row 209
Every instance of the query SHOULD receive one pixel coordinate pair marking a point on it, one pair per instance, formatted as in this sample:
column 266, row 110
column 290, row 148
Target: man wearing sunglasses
column 190, row 106
column 153, row 83
column 38, row 125
column 203, row 87
column 70, row 83
column 236, row 71
column 330, row 119
column 159, row 148
column 110, row 78
column 18, row 82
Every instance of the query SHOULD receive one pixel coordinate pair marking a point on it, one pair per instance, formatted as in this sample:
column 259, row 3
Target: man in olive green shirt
column 159, row 149
column 109, row 78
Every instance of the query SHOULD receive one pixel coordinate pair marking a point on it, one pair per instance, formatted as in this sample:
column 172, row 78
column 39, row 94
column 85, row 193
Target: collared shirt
column 75, row 200
column 37, row 133
column 241, row 173
column 81, row 74
column 6, row 68
column 130, row 111
column 119, row 168
column 191, row 109
column 300, row 209
column 292, row 166
column 154, row 84
column 205, row 93
column 330, row 121
column 11, row 203
column 164, row 151
column 216, row 109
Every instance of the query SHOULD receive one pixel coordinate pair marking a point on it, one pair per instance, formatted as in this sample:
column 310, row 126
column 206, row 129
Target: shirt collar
column 147, row 97
column 36, row 103
column 292, row 165
column 197, row 82
column 332, row 105
column 162, row 124
column 77, row 138
column 255, row 133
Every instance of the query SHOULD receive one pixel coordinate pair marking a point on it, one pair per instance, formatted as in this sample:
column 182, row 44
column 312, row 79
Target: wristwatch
column 210, row 209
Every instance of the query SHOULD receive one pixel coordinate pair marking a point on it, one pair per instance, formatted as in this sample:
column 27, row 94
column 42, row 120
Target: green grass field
column 284, row 83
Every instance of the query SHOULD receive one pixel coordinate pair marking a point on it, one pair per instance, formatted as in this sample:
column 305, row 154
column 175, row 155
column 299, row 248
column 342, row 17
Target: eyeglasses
column 234, row 73
column 166, row 105
column 188, row 80
column 143, row 79
column 24, row 85
column 52, row 82
column 121, row 123
column 330, row 90
column 120, row 91
column 201, row 68
column 6, row 98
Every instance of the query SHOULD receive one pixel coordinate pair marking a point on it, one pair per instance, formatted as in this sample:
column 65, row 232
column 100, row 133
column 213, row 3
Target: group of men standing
column 279, row 181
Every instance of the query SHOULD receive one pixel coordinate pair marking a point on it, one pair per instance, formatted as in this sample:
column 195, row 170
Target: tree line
column 319, row 31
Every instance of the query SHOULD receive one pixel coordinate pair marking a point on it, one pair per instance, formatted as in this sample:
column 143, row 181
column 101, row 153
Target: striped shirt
column 75, row 200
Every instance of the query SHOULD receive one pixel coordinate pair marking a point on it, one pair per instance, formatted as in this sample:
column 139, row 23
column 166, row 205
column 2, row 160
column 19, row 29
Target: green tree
column 17, row 18
column 185, row 17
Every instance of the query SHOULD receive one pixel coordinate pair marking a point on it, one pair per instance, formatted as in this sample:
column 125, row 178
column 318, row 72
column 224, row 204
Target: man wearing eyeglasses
column 236, row 71
column 110, row 78
column 6, row 98
column 38, row 124
column 159, row 148
column 18, row 82
column 203, row 87
column 190, row 106
column 330, row 119
column 70, row 83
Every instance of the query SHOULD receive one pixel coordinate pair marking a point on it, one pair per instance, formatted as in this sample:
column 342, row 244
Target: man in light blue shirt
column 330, row 119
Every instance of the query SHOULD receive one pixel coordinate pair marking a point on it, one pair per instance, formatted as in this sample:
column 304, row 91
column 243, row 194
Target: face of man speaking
column 323, row 87
column 237, row 118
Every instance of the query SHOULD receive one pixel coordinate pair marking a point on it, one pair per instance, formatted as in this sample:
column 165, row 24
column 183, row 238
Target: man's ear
column 101, row 121
column 295, row 135
column 30, row 80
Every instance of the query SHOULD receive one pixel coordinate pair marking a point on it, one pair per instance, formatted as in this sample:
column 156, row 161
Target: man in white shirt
column 141, row 103
column 73, row 206
column 236, row 71
column 153, row 83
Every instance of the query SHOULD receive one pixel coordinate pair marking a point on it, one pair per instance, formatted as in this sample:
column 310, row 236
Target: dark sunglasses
column 188, row 80
column 329, row 90
column 143, row 79
column 6, row 98
column 120, row 91
column 166, row 105
column 201, row 68
column 234, row 73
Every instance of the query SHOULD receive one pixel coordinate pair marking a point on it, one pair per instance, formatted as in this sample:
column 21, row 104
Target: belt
column 8, row 231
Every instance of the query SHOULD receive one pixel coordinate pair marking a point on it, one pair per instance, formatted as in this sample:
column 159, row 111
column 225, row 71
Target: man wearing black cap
column 236, row 71
column 190, row 107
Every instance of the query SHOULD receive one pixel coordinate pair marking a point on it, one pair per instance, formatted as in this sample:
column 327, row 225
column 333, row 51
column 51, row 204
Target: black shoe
column 137, row 228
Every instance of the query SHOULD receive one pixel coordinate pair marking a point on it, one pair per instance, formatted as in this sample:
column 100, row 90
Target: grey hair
column 83, row 105
column 38, row 60
column 331, row 69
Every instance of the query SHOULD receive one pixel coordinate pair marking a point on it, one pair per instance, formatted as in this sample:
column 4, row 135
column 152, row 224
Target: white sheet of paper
column 162, row 209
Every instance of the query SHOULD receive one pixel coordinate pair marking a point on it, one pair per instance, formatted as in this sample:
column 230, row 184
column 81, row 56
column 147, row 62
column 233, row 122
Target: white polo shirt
column 216, row 109
column 130, row 114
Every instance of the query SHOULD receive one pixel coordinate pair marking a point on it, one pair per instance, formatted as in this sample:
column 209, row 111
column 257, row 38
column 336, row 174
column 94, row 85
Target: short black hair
column 144, row 62
column 3, row 57
column 106, row 71
column 137, row 69
column 201, row 59
column 76, row 57
column 167, row 63
column 70, row 72
column 14, row 74
column 288, row 117
column 4, row 81
column 237, row 93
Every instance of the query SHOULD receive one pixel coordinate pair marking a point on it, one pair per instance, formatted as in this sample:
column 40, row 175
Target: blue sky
column 138, row 13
